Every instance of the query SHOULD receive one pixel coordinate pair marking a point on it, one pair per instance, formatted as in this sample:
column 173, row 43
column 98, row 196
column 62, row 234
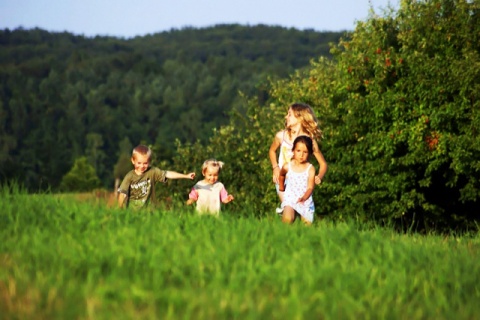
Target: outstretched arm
column 177, row 175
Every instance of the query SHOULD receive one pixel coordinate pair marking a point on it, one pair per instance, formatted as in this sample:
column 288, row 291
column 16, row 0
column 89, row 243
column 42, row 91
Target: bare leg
column 305, row 221
column 288, row 215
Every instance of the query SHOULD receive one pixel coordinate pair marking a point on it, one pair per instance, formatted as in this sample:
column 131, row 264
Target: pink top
column 208, row 196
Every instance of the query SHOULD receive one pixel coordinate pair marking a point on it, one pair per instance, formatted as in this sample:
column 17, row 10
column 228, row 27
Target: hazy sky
column 129, row 18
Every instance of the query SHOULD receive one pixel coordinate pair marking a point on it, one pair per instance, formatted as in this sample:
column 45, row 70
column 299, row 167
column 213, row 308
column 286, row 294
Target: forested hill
column 64, row 96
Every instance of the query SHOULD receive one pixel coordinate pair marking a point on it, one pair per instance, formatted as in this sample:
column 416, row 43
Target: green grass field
column 62, row 258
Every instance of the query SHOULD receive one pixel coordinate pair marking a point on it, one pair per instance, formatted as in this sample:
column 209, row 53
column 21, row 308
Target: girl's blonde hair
column 212, row 163
column 304, row 113
column 143, row 150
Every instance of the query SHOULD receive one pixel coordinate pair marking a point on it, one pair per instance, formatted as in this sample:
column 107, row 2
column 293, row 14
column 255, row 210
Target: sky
column 131, row 18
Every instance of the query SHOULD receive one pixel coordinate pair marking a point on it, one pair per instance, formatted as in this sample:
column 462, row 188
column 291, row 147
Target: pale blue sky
column 129, row 18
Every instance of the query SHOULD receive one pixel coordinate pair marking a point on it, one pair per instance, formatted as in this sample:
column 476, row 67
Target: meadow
column 62, row 258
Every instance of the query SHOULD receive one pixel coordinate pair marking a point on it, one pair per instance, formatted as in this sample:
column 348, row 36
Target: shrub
column 399, row 108
column 82, row 177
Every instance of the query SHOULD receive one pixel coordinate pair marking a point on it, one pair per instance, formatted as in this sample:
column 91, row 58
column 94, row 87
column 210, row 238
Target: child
column 209, row 192
column 299, row 121
column 297, row 200
column 137, row 189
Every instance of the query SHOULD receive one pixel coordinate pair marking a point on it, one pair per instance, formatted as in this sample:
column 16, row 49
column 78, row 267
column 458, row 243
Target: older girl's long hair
column 304, row 113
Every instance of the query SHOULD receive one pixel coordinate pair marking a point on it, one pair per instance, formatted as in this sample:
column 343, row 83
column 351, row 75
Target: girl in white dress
column 209, row 193
column 297, row 199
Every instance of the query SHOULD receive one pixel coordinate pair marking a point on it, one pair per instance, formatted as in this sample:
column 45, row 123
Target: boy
column 137, row 189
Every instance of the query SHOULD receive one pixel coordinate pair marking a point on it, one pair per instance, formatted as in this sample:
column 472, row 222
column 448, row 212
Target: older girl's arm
column 321, row 162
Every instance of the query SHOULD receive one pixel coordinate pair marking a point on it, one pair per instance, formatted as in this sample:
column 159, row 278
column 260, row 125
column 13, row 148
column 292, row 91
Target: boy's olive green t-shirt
column 140, row 189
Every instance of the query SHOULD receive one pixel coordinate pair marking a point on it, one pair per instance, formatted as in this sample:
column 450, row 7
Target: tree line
column 65, row 96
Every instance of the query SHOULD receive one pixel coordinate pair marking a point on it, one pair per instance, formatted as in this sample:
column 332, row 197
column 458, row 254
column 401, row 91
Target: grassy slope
column 67, row 259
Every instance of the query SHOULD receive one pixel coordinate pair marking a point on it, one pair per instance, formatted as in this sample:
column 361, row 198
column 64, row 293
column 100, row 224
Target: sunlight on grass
column 65, row 258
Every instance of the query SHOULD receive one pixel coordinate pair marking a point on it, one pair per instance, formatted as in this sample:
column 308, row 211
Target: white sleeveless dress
column 296, row 187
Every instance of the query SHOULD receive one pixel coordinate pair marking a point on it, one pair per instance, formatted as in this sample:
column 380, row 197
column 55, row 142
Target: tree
column 57, row 87
column 399, row 106
column 95, row 155
column 82, row 177
column 402, row 124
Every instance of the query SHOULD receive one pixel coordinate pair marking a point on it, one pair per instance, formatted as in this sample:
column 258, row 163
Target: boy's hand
column 191, row 175
column 318, row 180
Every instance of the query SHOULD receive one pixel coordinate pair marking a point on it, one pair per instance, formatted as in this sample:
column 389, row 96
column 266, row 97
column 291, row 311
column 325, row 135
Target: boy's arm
column 121, row 199
column 177, row 175
column 321, row 162
column 122, row 192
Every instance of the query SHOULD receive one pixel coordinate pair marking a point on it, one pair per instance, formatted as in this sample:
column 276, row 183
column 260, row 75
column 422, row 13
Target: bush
column 82, row 177
column 406, row 143
column 399, row 106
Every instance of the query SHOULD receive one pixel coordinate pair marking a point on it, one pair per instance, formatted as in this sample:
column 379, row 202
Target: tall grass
column 65, row 259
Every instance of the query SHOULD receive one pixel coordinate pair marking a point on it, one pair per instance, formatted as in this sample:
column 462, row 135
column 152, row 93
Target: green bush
column 399, row 108
column 405, row 142
column 82, row 177
column 402, row 124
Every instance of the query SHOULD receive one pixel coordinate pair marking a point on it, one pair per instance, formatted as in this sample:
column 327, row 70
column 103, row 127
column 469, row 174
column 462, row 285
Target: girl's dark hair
column 307, row 141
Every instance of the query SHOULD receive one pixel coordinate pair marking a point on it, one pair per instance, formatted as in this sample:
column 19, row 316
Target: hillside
column 64, row 96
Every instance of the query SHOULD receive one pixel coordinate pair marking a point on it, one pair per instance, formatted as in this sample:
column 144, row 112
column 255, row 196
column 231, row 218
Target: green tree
column 81, row 177
column 401, row 117
column 94, row 153
column 406, row 145
column 57, row 87
column 399, row 108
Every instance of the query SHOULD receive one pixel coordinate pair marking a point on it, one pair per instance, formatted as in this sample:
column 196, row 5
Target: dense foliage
column 400, row 111
column 64, row 96
column 405, row 132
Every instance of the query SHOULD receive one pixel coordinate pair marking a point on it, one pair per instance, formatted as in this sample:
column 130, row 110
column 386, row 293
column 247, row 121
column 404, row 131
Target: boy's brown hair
column 143, row 150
